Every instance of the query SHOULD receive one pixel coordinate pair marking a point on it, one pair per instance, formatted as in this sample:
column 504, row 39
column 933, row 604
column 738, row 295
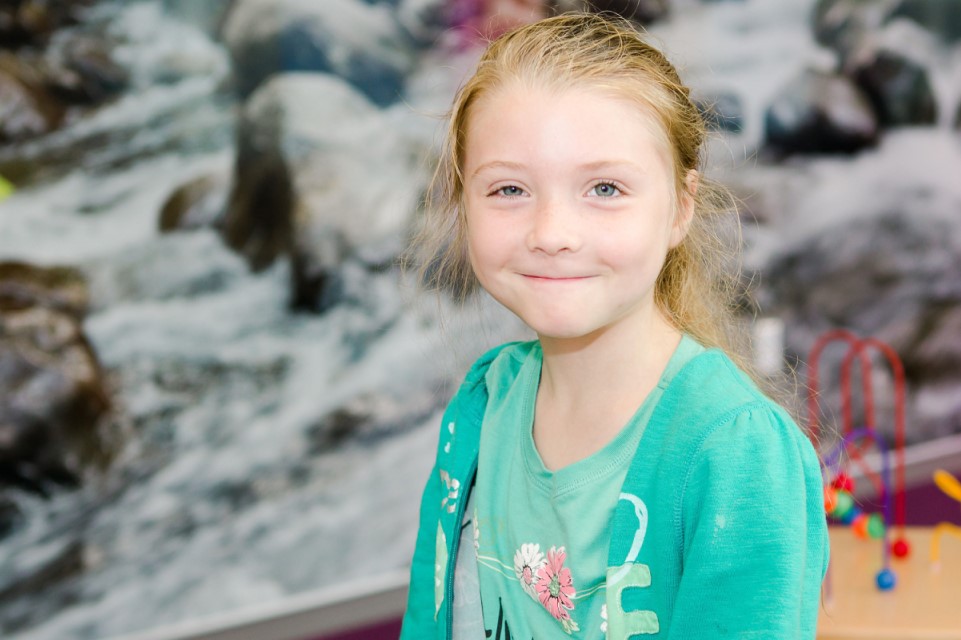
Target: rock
column 322, row 176
column 359, row 42
column 936, row 352
column 940, row 17
column 820, row 113
column 10, row 516
column 893, row 277
column 51, row 387
column 897, row 86
column 27, row 108
column 198, row 203
column 32, row 22
column 258, row 222
column 840, row 24
column 82, row 71
column 23, row 286
column 36, row 90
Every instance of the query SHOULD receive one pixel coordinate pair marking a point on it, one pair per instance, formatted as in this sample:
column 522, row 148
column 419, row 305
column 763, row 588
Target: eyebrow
column 497, row 164
column 589, row 166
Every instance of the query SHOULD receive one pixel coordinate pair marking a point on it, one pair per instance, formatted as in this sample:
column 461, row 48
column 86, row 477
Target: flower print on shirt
column 528, row 560
column 449, row 502
column 555, row 585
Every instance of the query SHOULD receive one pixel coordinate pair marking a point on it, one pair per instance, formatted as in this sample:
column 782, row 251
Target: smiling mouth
column 540, row 278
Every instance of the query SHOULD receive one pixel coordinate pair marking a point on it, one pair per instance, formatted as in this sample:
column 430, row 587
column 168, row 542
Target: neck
column 615, row 365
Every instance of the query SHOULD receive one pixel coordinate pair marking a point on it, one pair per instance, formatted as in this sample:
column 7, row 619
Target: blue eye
column 605, row 190
column 510, row 191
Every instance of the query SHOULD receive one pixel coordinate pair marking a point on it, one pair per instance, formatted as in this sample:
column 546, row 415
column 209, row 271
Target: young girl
column 620, row 476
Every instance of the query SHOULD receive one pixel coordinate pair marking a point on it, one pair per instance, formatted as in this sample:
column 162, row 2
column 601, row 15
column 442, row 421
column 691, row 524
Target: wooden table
column 925, row 604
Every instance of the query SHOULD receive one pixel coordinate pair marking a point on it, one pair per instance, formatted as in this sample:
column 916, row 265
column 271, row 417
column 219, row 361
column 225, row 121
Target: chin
column 558, row 330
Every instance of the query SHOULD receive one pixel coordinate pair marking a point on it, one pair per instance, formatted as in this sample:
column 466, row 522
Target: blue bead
column 886, row 580
column 852, row 513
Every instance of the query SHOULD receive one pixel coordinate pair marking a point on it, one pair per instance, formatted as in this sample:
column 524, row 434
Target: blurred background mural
column 216, row 388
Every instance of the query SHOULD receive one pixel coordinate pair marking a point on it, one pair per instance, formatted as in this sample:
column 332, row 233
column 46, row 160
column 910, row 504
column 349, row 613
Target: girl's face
column 569, row 209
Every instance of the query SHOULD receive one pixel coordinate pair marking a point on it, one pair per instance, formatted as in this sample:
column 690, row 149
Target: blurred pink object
column 483, row 20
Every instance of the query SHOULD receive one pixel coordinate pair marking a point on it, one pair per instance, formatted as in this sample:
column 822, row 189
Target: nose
column 553, row 228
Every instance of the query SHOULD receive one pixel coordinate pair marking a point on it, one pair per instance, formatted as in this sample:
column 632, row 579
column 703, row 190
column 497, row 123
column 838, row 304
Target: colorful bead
column 860, row 526
column 876, row 526
column 851, row 514
column 843, row 504
column 843, row 481
column 830, row 499
column 886, row 580
column 901, row 548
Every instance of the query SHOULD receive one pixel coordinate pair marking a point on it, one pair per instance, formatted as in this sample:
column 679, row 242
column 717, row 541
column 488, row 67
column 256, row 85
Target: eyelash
column 611, row 183
column 498, row 191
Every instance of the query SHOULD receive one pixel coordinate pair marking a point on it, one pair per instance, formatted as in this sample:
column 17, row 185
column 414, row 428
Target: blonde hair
column 697, row 289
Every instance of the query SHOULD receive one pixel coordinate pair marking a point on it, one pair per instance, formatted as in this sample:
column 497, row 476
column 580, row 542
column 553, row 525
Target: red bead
column 843, row 481
column 901, row 548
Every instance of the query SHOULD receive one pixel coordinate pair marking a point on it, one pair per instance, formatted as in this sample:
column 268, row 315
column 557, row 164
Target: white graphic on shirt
column 449, row 502
column 640, row 510
column 450, row 427
column 630, row 575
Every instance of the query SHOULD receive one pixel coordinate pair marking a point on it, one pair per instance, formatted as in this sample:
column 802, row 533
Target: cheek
column 479, row 247
column 481, row 236
column 640, row 252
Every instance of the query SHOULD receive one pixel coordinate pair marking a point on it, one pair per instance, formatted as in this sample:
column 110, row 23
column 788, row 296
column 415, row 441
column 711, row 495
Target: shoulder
column 760, row 437
column 743, row 418
column 708, row 391
column 468, row 405
column 754, row 455
column 718, row 416
column 755, row 467
column 508, row 355
column 717, row 381
column 503, row 361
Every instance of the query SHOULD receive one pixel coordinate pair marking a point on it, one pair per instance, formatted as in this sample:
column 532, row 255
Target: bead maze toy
column 839, row 487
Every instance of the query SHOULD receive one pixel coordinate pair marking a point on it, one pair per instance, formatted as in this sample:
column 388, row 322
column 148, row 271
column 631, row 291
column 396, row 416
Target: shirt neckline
column 614, row 455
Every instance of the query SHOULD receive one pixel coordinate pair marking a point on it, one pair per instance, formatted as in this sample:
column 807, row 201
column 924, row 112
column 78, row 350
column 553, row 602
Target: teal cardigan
column 719, row 532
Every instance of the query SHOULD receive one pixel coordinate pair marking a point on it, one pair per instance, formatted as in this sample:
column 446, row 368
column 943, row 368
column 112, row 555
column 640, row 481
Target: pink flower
column 555, row 586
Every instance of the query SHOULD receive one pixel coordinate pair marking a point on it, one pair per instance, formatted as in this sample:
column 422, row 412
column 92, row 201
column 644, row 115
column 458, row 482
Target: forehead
column 519, row 117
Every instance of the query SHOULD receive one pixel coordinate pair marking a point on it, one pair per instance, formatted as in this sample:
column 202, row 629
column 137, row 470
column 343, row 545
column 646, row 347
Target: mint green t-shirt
column 542, row 538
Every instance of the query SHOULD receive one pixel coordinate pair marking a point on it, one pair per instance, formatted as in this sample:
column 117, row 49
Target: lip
column 546, row 278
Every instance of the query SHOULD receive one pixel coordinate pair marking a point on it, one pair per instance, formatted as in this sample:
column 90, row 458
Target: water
column 225, row 490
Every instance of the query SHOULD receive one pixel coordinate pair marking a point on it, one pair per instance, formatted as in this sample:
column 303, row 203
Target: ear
column 685, row 208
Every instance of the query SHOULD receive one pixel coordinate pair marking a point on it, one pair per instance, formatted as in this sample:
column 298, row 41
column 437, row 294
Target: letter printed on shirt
column 630, row 575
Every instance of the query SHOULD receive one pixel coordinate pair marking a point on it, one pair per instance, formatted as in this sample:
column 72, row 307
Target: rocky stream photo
column 217, row 386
